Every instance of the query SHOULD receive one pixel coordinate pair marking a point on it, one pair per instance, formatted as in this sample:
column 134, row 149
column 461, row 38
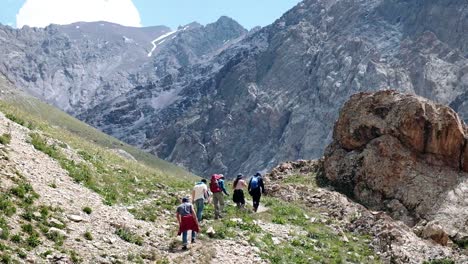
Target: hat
column 258, row 174
column 221, row 176
column 185, row 199
column 239, row 176
column 203, row 180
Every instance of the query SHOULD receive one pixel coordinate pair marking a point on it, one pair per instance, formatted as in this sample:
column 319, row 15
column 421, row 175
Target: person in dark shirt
column 256, row 188
column 187, row 219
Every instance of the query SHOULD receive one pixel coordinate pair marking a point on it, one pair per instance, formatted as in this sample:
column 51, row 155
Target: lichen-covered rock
column 403, row 154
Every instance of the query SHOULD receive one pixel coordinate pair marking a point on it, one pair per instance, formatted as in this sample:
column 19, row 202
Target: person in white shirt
column 199, row 194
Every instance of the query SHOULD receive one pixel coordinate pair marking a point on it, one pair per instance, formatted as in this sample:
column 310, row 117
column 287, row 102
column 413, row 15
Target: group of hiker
column 202, row 195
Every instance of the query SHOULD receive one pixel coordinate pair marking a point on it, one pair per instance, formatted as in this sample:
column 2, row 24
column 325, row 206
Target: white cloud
column 41, row 13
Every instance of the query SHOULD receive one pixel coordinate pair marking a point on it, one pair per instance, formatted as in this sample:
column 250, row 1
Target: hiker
column 199, row 195
column 217, row 188
column 238, row 186
column 256, row 188
column 187, row 221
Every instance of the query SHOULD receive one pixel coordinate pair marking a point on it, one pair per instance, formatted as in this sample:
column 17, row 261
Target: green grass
column 317, row 242
column 128, row 236
column 5, row 139
column 88, row 236
column 87, row 210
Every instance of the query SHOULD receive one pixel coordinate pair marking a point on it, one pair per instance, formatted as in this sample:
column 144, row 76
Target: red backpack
column 214, row 186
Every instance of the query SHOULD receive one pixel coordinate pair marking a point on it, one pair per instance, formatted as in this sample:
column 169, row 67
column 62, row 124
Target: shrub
column 88, row 236
column 87, row 210
column 6, row 205
column 16, row 238
column 75, row 258
column 127, row 235
column 27, row 228
column 5, row 139
column 56, row 237
column 33, row 240
column 15, row 119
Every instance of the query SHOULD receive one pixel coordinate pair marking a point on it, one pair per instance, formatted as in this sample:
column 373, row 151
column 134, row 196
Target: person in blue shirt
column 221, row 184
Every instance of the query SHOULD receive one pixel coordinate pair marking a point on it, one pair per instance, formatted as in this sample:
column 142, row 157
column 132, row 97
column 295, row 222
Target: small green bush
column 75, row 258
column 56, row 237
column 127, row 235
column 21, row 254
column 16, row 238
column 5, row 139
column 88, row 236
column 33, row 240
column 15, row 119
column 87, row 210
column 6, row 205
column 27, row 228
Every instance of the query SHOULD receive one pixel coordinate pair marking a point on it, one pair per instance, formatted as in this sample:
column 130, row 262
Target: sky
column 172, row 13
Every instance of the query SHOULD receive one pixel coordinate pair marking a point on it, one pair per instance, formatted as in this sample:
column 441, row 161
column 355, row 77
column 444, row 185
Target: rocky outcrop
column 406, row 155
column 393, row 241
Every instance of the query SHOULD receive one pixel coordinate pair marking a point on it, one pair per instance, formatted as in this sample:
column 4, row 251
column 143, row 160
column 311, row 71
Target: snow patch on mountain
column 159, row 41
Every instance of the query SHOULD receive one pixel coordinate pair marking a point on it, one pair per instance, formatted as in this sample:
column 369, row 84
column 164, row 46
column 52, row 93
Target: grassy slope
column 124, row 177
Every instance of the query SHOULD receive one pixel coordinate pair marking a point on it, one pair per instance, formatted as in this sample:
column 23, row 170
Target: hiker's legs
column 216, row 203
column 221, row 203
column 184, row 238
column 256, row 200
column 194, row 235
column 200, row 204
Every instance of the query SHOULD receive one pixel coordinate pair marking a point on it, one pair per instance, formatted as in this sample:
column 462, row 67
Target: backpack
column 254, row 183
column 214, row 186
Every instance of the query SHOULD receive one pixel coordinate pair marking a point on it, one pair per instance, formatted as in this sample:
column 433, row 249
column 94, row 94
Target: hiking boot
column 184, row 247
column 193, row 241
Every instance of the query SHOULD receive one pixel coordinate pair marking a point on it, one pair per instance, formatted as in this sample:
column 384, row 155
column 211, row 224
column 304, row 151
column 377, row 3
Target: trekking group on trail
column 202, row 195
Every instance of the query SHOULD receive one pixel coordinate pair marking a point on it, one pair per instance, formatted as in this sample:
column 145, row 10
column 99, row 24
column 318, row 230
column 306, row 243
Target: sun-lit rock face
column 404, row 154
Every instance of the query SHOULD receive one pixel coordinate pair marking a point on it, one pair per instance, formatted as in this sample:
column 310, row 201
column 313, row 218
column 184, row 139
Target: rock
column 285, row 167
column 57, row 231
column 75, row 218
column 110, row 240
column 435, row 232
column 55, row 222
column 276, row 240
column 402, row 154
column 210, row 231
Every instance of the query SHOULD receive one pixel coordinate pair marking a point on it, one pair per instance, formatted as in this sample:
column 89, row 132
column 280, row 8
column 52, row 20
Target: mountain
column 78, row 66
column 273, row 94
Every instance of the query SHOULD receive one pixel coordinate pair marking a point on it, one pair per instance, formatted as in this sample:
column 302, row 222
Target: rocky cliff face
column 406, row 155
column 79, row 66
column 274, row 95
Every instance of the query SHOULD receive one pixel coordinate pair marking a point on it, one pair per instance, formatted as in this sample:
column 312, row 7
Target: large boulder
column 403, row 154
